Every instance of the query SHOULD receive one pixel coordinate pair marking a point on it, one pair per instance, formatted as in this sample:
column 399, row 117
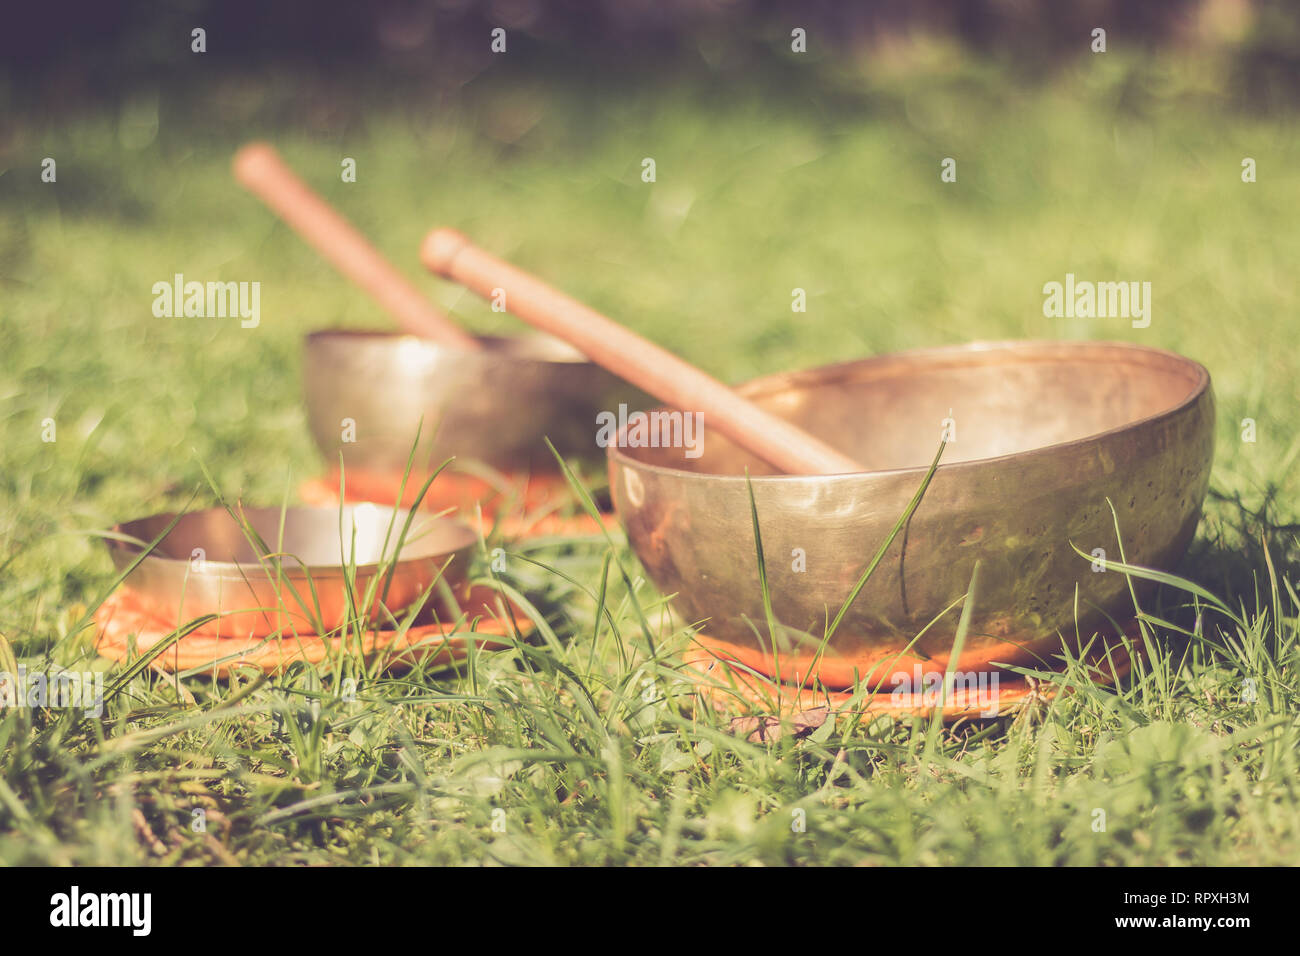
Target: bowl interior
column 994, row 399
column 317, row 537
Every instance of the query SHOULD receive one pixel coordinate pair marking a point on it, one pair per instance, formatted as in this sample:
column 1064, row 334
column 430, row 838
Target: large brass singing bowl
column 209, row 564
column 370, row 393
column 1042, row 434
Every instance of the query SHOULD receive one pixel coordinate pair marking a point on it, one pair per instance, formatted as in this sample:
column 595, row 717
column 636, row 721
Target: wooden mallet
column 626, row 354
column 261, row 171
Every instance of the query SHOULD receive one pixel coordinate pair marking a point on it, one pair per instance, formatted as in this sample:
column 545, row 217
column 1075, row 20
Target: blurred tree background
column 59, row 55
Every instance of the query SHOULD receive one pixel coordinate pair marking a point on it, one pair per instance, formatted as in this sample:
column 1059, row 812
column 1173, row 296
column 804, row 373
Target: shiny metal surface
column 1043, row 433
column 493, row 406
column 207, row 564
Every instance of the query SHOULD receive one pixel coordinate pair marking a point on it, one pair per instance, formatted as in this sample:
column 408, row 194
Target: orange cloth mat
column 124, row 620
column 732, row 687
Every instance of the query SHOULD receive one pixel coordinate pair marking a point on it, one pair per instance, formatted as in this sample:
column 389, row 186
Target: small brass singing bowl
column 370, row 393
column 1043, row 438
column 290, row 580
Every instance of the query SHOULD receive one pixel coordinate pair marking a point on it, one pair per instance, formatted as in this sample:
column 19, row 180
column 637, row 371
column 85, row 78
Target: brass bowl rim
column 294, row 570
column 766, row 383
column 494, row 345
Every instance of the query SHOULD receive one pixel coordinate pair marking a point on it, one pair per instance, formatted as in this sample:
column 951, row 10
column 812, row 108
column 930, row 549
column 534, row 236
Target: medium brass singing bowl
column 370, row 393
column 209, row 564
column 1042, row 434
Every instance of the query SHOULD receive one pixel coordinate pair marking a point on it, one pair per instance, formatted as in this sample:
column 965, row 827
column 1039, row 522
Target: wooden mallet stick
column 644, row 364
column 261, row 171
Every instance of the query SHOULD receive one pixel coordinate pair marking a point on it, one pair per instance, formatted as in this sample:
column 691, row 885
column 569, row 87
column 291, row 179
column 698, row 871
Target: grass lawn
column 755, row 195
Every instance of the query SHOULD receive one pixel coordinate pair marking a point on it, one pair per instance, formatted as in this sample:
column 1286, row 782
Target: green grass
column 587, row 748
